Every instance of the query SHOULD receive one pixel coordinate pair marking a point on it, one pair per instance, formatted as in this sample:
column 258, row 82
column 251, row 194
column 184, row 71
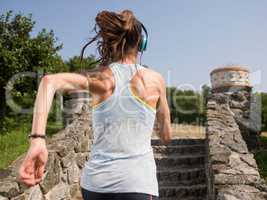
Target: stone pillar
column 233, row 169
column 235, row 84
column 72, row 103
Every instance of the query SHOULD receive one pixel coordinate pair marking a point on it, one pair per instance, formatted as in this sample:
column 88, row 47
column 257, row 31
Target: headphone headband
column 144, row 28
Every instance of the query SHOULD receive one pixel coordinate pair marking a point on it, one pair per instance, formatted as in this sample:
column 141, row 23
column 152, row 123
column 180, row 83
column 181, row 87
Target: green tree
column 187, row 106
column 205, row 92
column 75, row 65
column 19, row 52
column 170, row 97
column 264, row 111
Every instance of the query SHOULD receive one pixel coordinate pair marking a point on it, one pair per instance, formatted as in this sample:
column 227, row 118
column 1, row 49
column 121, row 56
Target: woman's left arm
column 46, row 91
column 32, row 168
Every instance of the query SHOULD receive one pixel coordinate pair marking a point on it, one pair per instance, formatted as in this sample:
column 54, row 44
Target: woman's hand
column 33, row 166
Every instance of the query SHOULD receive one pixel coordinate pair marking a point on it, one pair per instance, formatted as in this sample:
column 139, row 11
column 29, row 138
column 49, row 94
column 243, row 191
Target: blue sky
column 187, row 39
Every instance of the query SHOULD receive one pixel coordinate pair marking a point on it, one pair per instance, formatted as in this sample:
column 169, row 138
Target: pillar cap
column 230, row 68
column 229, row 78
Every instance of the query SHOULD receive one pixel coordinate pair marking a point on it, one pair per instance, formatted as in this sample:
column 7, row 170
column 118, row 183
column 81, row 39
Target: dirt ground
column 190, row 131
column 186, row 131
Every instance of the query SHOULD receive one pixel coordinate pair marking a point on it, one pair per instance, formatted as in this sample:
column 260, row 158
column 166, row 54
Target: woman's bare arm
column 47, row 88
column 163, row 121
column 32, row 168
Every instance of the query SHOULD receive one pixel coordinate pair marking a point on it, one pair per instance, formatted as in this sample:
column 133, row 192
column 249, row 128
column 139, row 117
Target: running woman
column 128, row 101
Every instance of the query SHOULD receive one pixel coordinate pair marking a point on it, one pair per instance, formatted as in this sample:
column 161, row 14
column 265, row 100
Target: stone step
column 172, row 162
column 179, row 142
column 179, row 149
column 170, row 168
column 192, row 182
column 198, row 191
column 177, row 177
column 160, row 155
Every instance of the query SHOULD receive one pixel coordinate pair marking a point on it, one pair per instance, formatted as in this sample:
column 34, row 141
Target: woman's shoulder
column 152, row 72
column 97, row 71
column 99, row 79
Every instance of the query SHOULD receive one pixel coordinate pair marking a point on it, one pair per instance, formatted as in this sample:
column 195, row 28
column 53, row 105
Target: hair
column 117, row 34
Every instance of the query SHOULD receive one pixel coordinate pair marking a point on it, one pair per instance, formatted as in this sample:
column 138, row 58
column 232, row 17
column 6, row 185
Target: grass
column 261, row 156
column 15, row 142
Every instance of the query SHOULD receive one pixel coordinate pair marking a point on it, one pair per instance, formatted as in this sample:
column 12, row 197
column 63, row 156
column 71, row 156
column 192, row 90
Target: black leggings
column 89, row 195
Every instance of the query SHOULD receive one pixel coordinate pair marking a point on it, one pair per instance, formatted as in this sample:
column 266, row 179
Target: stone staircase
column 181, row 169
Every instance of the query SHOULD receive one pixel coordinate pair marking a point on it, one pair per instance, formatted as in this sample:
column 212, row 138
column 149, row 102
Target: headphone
column 144, row 38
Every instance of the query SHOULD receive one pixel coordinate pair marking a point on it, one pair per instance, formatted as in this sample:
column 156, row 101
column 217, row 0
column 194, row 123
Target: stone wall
column 233, row 170
column 68, row 151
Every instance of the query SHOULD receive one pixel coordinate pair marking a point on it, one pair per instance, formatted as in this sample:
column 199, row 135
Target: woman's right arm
column 32, row 168
column 163, row 119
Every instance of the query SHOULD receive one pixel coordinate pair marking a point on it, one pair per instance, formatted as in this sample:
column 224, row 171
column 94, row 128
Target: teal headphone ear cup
column 143, row 43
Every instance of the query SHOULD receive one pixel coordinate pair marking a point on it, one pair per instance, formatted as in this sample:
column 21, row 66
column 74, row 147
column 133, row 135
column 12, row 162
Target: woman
column 127, row 99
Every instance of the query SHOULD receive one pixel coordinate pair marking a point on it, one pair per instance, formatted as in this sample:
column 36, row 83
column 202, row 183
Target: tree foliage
column 264, row 111
column 75, row 65
column 20, row 52
column 187, row 106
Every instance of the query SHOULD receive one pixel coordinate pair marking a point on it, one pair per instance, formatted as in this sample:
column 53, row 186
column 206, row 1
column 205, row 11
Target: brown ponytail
column 117, row 34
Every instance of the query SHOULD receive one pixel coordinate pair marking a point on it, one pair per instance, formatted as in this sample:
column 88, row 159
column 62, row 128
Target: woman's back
column 145, row 84
column 122, row 157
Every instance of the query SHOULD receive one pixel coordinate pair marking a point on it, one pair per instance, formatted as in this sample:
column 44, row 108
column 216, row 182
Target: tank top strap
column 123, row 73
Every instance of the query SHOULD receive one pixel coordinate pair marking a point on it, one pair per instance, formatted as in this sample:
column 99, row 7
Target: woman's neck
column 128, row 60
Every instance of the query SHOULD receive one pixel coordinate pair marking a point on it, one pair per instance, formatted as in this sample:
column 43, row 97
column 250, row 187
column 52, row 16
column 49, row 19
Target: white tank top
column 122, row 158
